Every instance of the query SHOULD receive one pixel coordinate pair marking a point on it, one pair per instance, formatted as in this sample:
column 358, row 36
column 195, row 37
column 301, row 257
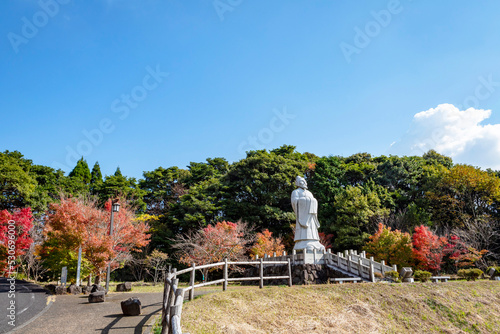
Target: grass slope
column 453, row 307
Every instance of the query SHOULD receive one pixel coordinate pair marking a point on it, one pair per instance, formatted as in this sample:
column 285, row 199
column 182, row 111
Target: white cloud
column 455, row 133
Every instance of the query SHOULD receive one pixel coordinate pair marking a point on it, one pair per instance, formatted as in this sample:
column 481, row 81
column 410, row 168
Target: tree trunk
column 97, row 279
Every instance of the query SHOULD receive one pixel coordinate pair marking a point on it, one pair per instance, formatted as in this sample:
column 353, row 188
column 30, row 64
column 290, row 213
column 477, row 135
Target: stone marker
column 127, row 286
column 131, row 306
column 491, row 272
column 74, row 290
column 97, row 297
column 406, row 274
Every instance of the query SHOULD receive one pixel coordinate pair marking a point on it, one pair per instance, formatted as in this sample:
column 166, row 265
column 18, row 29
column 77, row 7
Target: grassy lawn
column 453, row 307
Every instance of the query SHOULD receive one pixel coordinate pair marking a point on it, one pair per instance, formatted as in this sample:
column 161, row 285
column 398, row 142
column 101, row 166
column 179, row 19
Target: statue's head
column 301, row 182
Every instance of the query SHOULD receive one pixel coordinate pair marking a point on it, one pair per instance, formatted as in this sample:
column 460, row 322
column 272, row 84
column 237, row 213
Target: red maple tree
column 460, row 254
column 428, row 249
column 14, row 237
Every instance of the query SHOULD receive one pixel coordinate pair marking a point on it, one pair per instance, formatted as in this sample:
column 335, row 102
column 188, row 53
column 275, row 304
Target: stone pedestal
column 308, row 245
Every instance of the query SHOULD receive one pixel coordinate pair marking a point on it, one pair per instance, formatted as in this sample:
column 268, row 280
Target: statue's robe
column 305, row 207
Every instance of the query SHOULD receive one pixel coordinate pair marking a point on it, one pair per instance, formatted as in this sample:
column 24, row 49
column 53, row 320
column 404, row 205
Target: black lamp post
column 115, row 208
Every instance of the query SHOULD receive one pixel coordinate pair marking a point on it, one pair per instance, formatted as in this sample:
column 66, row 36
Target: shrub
column 392, row 275
column 378, row 275
column 422, row 275
column 470, row 274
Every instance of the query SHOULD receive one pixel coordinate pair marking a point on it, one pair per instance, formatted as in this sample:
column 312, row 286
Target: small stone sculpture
column 305, row 207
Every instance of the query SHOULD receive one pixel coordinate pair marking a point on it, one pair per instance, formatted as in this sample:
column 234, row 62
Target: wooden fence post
column 372, row 272
column 261, row 285
column 224, row 286
column 289, row 273
column 164, row 315
column 191, row 282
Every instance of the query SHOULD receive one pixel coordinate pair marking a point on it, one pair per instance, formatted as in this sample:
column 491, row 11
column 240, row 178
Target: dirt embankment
column 453, row 307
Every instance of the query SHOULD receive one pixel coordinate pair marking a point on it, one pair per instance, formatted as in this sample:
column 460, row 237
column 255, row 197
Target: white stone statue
column 305, row 207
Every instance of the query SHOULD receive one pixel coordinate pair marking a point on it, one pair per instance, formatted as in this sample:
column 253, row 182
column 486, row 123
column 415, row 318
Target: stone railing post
column 289, row 273
column 261, row 285
column 372, row 272
column 224, row 286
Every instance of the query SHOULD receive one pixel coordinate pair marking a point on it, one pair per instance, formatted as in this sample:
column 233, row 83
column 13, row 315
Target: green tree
column 358, row 169
column 464, row 193
column 358, row 210
column 118, row 185
column 96, row 175
column 325, row 183
column 81, row 171
column 16, row 184
column 257, row 189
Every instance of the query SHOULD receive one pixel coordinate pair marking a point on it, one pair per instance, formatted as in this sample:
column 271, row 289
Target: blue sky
column 142, row 84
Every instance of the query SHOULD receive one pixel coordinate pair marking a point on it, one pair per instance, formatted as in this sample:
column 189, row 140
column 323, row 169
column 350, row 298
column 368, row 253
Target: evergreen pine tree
column 96, row 175
column 81, row 171
column 118, row 172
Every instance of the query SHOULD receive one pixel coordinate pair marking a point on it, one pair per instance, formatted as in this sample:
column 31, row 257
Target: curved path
column 20, row 303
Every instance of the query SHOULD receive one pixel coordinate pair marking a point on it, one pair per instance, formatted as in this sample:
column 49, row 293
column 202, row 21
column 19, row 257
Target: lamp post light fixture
column 114, row 208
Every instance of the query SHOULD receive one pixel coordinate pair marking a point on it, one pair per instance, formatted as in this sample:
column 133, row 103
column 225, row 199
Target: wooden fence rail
column 173, row 296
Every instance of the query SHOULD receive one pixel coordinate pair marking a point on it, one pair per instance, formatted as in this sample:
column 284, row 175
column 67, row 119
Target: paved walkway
column 75, row 315
column 20, row 302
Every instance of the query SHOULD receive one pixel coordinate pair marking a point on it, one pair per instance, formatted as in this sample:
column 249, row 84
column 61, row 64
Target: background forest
column 361, row 199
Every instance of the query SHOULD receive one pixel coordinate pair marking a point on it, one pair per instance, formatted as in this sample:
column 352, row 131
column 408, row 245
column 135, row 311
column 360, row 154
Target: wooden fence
column 173, row 296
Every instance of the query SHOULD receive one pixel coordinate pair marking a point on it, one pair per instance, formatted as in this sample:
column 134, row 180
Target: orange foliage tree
column 266, row 244
column 394, row 247
column 76, row 222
